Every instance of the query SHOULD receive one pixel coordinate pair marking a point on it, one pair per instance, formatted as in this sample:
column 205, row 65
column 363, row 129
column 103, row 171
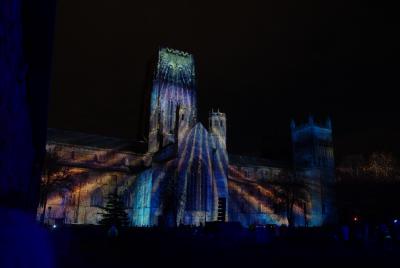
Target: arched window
column 196, row 187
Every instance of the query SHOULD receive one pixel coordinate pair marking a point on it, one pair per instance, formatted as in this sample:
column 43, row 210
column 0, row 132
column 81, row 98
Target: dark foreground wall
column 26, row 34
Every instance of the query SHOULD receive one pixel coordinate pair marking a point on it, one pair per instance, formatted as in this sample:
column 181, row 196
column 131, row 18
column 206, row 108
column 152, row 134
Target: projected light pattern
column 251, row 203
column 175, row 66
column 80, row 204
column 254, row 203
column 217, row 126
column 252, row 206
column 200, row 170
column 173, row 97
column 93, row 173
column 186, row 170
column 97, row 158
column 314, row 160
column 142, row 199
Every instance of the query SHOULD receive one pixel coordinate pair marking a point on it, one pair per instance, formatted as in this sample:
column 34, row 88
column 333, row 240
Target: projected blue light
column 173, row 97
column 142, row 199
column 195, row 159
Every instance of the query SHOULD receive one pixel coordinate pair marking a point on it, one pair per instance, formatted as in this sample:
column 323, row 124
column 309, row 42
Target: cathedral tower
column 173, row 97
column 217, row 126
column 314, row 161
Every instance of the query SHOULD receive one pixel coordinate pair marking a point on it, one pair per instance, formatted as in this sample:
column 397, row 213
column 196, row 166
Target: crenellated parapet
column 176, row 67
column 312, row 144
column 327, row 124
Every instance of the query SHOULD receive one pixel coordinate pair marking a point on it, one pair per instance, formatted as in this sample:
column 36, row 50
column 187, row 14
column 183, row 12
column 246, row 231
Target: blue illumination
column 187, row 166
column 314, row 161
column 185, row 152
column 142, row 199
column 173, row 97
column 16, row 111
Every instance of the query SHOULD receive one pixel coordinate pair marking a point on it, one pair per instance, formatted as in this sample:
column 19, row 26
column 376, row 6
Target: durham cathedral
column 183, row 173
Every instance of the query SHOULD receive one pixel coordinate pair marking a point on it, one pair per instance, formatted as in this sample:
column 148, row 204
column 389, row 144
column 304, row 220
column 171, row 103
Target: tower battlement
column 217, row 113
column 177, row 52
column 176, row 67
column 327, row 124
column 312, row 144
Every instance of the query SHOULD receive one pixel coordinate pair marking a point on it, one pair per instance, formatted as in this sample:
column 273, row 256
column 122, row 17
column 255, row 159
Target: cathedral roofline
column 75, row 138
column 245, row 160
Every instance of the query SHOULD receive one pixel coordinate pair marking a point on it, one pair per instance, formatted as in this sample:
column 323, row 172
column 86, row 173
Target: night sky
column 261, row 63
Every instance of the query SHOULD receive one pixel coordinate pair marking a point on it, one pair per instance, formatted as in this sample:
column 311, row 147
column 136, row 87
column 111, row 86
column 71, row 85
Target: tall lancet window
column 171, row 115
column 196, row 188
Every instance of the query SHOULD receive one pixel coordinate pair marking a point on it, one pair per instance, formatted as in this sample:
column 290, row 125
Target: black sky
column 262, row 63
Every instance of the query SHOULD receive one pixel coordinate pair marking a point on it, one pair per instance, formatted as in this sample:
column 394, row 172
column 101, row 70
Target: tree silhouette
column 289, row 191
column 56, row 178
column 114, row 212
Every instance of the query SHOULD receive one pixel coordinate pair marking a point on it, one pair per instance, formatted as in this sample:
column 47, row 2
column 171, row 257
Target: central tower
column 173, row 97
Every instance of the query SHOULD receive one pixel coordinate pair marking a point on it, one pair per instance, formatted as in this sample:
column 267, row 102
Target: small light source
column 355, row 219
column 54, row 226
column 395, row 221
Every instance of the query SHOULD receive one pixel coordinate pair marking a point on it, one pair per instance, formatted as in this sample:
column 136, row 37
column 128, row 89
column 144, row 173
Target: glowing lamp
column 54, row 226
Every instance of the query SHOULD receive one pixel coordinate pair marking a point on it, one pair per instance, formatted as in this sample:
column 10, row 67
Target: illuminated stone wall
column 314, row 161
column 254, row 199
column 187, row 158
column 251, row 203
column 93, row 174
column 202, row 169
column 217, row 126
column 197, row 177
column 173, row 97
column 142, row 196
column 187, row 169
column 186, row 166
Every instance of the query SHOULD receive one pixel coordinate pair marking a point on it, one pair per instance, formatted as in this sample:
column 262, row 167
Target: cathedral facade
column 184, row 174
